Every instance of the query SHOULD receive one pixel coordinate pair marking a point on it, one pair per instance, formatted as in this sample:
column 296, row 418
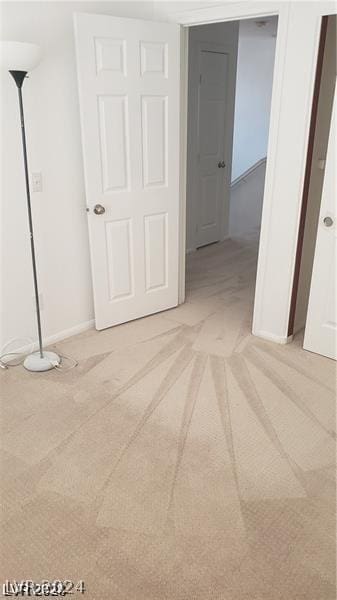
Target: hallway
column 183, row 459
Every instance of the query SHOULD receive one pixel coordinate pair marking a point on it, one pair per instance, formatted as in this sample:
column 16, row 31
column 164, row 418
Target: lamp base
column 34, row 362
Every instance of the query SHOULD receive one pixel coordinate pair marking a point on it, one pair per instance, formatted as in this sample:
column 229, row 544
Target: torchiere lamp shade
column 19, row 56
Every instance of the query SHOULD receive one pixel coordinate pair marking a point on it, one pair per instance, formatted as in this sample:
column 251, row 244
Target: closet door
column 321, row 327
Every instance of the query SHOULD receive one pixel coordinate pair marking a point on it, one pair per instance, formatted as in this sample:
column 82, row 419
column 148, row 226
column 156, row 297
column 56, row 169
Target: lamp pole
column 19, row 58
column 19, row 77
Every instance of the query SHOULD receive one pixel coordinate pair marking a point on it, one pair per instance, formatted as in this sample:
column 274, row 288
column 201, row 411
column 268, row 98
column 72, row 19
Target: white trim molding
column 47, row 342
column 183, row 161
column 66, row 333
column 57, row 337
column 228, row 11
column 266, row 335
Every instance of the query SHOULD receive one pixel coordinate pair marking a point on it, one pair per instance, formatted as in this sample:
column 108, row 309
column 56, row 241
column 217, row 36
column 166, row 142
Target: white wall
column 254, row 81
column 54, row 144
column 225, row 34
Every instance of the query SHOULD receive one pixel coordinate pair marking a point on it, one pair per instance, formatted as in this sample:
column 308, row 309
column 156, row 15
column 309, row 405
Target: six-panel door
column 211, row 136
column 128, row 73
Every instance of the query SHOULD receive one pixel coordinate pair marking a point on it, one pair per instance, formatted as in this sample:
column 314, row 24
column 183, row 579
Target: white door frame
column 290, row 112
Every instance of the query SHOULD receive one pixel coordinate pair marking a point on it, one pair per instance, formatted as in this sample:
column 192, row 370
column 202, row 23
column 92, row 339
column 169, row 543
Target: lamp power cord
column 15, row 359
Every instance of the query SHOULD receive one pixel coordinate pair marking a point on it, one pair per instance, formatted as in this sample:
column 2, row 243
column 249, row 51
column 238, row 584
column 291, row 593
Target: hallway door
column 321, row 326
column 128, row 72
column 211, row 150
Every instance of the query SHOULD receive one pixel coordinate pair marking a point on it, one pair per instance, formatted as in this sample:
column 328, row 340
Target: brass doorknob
column 99, row 209
column 221, row 164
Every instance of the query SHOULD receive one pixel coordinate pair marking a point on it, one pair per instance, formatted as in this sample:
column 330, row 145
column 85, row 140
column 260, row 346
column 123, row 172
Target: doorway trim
column 268, row 322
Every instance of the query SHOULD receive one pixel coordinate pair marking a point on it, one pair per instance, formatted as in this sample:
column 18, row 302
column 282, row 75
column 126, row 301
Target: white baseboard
column 270, row 337
column 66, row 333
column 57, row 337
column 222, row 239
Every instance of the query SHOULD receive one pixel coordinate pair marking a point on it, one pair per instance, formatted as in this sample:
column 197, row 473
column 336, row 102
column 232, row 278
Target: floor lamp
column 19, row 58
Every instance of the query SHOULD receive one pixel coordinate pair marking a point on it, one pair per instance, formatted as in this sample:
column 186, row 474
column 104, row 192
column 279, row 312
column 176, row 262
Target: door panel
column 110, row 55
column 212, row 106
column 321, row 326
column 153, row 58
column 128, row 72
column 209, row 208
column 156, row 251
column 118, row 240
column 114, row 142
column 154, row 131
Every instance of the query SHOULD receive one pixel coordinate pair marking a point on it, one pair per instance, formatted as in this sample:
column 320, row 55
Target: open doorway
column 229, row 97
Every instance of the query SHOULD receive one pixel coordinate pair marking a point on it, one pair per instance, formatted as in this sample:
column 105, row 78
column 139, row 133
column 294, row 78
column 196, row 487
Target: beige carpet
column 183, row 459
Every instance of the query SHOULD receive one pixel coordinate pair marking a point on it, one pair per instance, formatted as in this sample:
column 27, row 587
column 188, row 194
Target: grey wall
column 254, row 80
column 246, row 199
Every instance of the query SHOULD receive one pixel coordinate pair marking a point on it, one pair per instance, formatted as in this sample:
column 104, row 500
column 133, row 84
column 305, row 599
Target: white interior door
column 321, row 326
column 211, row 137
column 128, row 73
